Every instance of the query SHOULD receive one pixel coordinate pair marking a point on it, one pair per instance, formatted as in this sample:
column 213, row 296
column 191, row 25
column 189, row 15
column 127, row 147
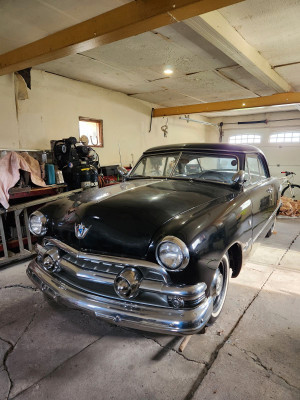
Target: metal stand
column 18, row 210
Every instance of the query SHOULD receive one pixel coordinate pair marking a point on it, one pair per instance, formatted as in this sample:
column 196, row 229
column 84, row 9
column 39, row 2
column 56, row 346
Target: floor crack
column 20, row 286
column 259, row 362
column 57, row 367
column 139, row 333
column 214, row 355
column 10, row 350
column 6, row 354
column 289, row 247
column 174, row 350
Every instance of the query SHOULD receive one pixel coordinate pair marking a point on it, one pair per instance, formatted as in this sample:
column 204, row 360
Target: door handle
column 270, row 190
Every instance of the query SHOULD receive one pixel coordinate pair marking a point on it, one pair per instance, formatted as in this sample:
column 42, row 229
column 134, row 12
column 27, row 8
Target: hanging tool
column 151, row 117
column 164, row 128
column 221, row 132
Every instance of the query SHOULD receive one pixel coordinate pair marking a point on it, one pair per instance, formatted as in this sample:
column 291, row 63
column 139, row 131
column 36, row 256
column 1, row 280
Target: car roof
column 210, row 147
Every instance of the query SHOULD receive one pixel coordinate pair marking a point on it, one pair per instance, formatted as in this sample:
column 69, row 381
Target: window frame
column 99, row 123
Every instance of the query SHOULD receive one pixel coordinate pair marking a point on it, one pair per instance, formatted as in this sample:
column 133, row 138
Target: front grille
column 93, row 265
column 104, row 290
column 96, row 275
column 108, row 267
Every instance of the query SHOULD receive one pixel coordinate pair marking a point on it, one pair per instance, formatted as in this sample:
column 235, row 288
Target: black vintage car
column 156, row 251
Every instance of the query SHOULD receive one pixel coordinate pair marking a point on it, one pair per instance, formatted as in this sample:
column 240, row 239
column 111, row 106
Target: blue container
column 50, row 174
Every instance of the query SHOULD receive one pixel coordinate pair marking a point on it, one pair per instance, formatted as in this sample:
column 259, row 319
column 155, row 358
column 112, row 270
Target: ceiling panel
column 166, row 98
column 135, row 65
column 92, row 71
column 291, row 73
column 242, row 77
column 24, row 21
column 150, row 52
column 271, row 26
column 208, row 86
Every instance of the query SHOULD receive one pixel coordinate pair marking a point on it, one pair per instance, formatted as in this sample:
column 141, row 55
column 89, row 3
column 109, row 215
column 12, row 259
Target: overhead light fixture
column 168, row 71
column 244, row 104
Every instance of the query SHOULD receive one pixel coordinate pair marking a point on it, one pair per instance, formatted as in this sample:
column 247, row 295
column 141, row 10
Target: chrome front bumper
column 124, row 313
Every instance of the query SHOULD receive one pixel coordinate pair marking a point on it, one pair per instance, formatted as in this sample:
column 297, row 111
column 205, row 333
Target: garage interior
column 153, row 74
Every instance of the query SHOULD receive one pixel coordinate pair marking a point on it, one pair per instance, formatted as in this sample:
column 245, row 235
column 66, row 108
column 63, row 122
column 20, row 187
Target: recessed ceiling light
column 168, row 71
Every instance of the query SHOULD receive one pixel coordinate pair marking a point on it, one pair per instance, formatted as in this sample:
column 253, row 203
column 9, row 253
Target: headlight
column 37, row 223
column 172, row 253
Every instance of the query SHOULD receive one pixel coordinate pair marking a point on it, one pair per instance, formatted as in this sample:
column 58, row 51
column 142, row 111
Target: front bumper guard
column 124, row 313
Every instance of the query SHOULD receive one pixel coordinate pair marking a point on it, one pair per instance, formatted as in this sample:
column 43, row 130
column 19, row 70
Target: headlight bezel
column 43, row 220
column 183, row 248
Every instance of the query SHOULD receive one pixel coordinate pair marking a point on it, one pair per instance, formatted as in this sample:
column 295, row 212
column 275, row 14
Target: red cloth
column 10, row 165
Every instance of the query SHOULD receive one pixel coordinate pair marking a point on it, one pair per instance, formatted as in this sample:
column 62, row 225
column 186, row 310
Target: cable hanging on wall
column 218, row 126
column 188, row 119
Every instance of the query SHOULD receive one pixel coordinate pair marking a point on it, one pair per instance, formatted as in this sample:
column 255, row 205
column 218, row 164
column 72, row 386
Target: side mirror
column 239, row 178
column 122, row 171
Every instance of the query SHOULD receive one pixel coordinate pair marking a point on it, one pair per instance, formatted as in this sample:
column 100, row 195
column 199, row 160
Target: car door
column 261, row 193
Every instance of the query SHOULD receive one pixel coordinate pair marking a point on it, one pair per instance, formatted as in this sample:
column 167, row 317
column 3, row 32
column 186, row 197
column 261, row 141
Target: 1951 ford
column 156, row 251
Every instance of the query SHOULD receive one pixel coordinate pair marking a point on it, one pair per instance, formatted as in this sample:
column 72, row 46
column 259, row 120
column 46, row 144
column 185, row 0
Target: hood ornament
column 81, row 230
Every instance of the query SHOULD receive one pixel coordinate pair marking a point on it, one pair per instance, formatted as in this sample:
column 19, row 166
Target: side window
column 262, row 168
column 253, row 168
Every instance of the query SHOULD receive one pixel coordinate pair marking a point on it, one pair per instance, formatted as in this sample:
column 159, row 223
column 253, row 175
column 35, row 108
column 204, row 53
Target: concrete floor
column 252, row 352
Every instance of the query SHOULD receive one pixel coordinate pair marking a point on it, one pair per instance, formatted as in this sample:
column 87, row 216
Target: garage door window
column 244, row 139
column 286, row 137
column 93, row 130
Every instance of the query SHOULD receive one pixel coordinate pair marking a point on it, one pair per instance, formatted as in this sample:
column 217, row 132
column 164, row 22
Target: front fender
column 208, row 232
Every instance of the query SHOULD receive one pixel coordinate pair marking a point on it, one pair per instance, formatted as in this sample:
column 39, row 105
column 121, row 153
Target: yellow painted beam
column 131, row 19
column 264, row 101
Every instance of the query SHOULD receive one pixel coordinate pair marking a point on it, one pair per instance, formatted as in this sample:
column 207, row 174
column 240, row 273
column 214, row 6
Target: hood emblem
column 81, row 230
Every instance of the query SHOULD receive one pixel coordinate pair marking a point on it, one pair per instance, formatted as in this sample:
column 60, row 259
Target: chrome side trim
column 120, row 261
column 265, row 225
column 125, row 313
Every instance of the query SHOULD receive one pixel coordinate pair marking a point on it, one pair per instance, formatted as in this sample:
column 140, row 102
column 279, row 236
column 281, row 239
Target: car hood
column 122, row 219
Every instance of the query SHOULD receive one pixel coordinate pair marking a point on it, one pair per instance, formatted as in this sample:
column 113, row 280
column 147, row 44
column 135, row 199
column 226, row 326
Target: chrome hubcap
column 219, row 284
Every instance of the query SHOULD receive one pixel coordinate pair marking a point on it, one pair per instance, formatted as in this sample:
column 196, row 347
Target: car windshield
column 200, row 166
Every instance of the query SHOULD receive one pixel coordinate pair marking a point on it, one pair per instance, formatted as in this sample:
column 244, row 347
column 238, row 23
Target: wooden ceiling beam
column 131, row 19
column 241, row 104
column 218, row 31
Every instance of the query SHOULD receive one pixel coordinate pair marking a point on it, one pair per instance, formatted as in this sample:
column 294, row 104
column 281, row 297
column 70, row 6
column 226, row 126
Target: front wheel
column 292, row 191
column 219, row 287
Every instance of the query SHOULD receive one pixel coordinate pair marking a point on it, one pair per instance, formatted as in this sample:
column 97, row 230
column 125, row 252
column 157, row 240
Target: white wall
column 55, row 104
column 280, row 157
